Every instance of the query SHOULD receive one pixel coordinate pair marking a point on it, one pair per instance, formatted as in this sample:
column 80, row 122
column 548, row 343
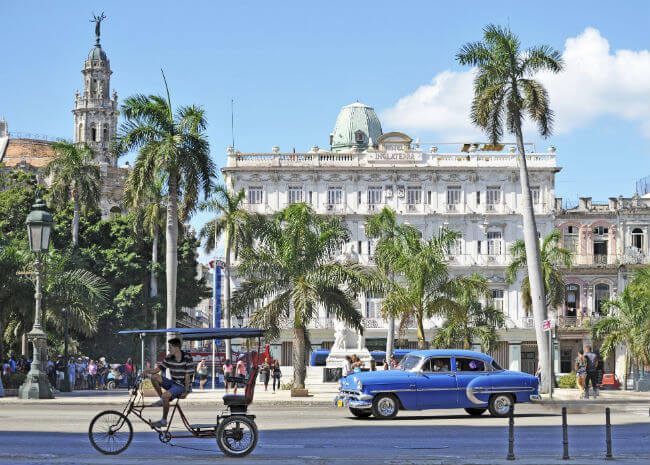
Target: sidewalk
column 321, row 394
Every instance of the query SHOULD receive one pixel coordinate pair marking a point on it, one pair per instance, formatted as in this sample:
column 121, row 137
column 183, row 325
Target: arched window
column 637, row 238
column 80, row 132
column 601, row 293
column 115, row 211
column 105, row 135
column 359, row 137
column 93, row 134
column 572, row 299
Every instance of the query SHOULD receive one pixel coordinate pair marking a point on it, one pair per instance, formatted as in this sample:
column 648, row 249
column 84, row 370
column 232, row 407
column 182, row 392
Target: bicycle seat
column 234, row 400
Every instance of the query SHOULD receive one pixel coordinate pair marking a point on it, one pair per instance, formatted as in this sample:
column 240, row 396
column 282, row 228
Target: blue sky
column 290, row 66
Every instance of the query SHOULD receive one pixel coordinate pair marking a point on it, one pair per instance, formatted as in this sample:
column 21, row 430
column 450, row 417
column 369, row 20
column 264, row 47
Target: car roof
column 451, row 353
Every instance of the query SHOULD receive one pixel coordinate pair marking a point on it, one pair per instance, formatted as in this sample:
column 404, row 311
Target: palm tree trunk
column 171, row 259
column 75, row 224
column 299, row 368
column 390, row 335
column 2, row 332
column 226, row 291
column 534, row 264
column 153, row 292
column 23, row 344
column 422, row 341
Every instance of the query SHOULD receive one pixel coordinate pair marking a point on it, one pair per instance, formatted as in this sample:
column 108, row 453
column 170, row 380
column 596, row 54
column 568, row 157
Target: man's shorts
column 173, row 388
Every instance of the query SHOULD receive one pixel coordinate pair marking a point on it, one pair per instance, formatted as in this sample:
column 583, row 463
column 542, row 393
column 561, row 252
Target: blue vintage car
column 437, row 379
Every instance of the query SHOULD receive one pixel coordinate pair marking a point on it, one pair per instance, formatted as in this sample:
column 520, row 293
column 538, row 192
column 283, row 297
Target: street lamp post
column 39, row 226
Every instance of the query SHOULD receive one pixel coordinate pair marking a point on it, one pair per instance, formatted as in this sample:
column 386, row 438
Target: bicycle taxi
column 111, row 432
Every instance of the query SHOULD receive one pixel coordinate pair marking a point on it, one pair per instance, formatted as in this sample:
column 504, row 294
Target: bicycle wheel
column 110, row 432
column 237, row 436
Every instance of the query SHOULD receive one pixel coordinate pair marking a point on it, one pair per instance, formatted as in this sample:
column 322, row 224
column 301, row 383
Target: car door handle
column 451, row 374
column 412, row 386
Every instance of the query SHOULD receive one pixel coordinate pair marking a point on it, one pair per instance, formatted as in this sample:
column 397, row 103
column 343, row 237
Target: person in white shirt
column 347, row 366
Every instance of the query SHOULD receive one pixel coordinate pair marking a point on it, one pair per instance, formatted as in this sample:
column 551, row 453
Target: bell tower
column 95, row 111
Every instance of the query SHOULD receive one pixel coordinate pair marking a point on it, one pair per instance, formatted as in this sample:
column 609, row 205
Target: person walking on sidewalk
column 581, row 372
column 277, row 374
column 181, row 369
column 227, row 371
column 240, row 372
column 265, row 370
column 202, row 371
column 592, row 372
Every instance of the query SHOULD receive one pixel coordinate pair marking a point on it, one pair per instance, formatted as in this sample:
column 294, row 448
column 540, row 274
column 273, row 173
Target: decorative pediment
column 393, row 141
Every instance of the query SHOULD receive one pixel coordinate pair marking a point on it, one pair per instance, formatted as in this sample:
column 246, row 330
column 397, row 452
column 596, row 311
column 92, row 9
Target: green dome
column 97, row 53
column 355, row 126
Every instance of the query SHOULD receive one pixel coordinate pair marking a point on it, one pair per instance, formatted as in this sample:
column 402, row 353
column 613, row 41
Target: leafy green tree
column 173, row 145
column 627, row 322
column 423, row 287
column 552, row 257
column 231, row 222
column 471, row 320
column 291, row 272
column 505, row 93
column 76, row 177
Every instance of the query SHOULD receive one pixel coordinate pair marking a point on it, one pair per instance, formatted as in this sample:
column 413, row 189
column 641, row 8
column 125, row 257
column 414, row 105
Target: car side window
column 470, row 364
column 437, row 364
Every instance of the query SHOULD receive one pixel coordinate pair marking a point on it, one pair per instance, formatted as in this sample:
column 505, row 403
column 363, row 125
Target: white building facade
column 471, row 188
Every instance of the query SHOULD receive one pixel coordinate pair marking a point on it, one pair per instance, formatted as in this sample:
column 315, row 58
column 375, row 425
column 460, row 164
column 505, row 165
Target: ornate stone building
column 472, row 188
column 95, row 123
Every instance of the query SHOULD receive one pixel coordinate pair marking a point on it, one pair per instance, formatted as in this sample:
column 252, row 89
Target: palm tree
column 383, row 227
column 16, row 292
column 232, row 223
column 147, row 201
column 291, row 272
column 627, row 321
column 424, row 287
column 74, row 175
column 471, row 320
column 505, row 92
column 172, row 145
column 552, row 256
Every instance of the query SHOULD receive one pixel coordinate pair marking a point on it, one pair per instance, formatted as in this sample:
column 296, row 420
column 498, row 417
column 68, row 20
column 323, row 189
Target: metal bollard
column 511, row 433
column 608, row 434
column 565, row 436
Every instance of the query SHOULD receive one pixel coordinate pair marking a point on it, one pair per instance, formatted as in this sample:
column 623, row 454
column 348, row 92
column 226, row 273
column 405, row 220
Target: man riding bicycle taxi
column 181, row 369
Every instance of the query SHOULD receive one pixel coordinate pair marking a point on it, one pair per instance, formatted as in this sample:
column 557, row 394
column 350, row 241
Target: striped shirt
column 177, row 369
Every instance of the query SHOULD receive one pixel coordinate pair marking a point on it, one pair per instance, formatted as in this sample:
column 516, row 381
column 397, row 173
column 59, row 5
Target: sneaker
column 158, row 403
column 160, row 423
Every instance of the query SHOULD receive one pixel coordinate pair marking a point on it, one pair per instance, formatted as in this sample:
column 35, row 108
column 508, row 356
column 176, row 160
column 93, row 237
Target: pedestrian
column 6, row 368
column 581, row 372
column 130, row 371
column 240, row 372
column 72, row 373
column 50, row 371
column 538, row 371
column 61, row 367
column 102, row 372
column 386, row 364
column 592, row 372
column 92, row 375
column 202, row 371
column 347, row 366
column 265, row 371
column 227, row 372
column 12, row 363
column 277, row 374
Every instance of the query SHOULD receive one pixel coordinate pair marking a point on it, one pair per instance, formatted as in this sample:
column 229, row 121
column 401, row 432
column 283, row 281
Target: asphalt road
column 57, row 434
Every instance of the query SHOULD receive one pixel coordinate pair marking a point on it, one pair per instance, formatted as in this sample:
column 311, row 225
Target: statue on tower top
column 97, row 20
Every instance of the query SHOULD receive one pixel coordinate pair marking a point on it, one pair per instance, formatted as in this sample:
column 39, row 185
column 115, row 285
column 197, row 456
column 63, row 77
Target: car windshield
column 409, row 362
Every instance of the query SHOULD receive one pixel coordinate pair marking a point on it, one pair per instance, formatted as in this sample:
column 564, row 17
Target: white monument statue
column 346, row 342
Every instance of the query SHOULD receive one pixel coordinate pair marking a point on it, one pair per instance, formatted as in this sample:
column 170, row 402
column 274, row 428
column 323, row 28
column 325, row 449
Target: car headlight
column 359, row 385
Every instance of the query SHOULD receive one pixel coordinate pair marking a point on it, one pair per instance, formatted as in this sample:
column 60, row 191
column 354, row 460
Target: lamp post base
column 36, row 386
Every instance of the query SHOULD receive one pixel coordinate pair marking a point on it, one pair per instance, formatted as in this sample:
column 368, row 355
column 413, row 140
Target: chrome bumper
column 535, row 397
column 353, row 401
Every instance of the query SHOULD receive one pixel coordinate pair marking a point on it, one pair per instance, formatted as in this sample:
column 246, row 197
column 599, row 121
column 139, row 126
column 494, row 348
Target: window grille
column 295, row 194
column 255, row 194
column 494, row 243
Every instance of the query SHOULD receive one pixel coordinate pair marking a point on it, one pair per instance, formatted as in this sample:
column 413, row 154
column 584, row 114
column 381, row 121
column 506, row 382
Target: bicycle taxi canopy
column 198, row 334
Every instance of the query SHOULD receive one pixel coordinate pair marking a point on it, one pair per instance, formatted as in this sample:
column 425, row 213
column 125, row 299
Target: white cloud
column 594, row 83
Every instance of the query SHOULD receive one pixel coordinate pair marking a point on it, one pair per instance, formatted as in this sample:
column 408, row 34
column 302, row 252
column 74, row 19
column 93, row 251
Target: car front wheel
column 475, row 412
column 360, row 413
column 385, row 406
column 500, row 405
